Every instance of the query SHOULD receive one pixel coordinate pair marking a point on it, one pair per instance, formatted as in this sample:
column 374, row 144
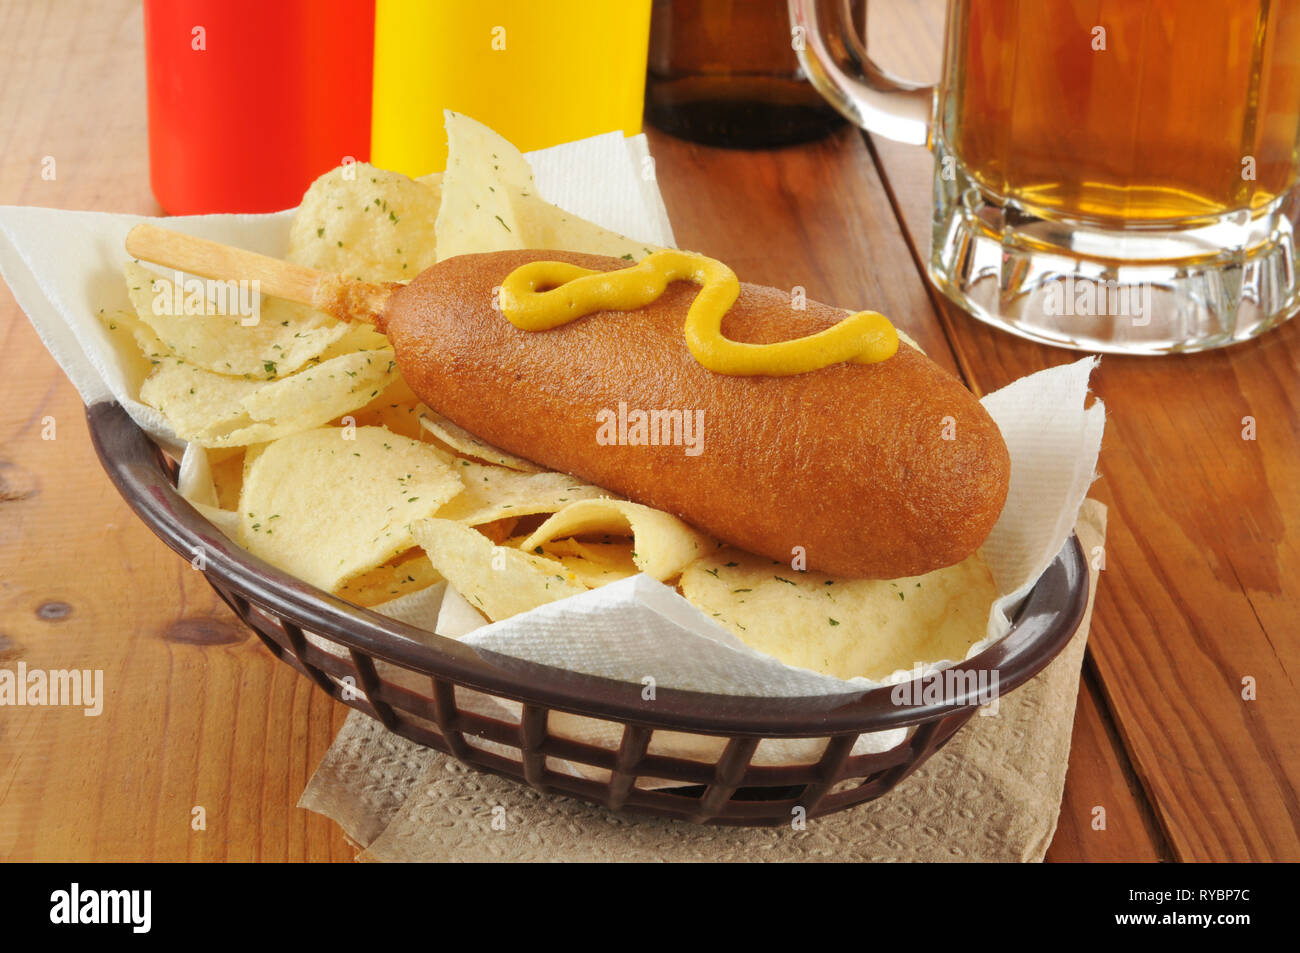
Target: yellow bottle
column 539, row 72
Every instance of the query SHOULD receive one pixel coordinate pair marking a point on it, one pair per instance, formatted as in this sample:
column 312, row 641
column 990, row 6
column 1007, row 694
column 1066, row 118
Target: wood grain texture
column 209, row 259
column 1100, row 776
column 197, row 713
column 1202, row 556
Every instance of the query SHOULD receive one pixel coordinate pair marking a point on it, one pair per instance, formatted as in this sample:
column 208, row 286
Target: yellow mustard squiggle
column 570, row 292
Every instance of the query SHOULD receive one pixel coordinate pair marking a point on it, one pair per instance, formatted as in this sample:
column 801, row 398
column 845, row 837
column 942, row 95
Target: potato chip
column 130, row 332
column 251, row 453
column 490, row 203
column 408, row 572
column 198, row 403
column 403, row 419
column 219, row 411
column 492, row 493
column 190, row 326
column 367, row 223
column 594, row 563
column 844, row 627
column 498, row 530
column 465, row 443
column 483, row 172
column 544, row 225
column 137, row 347
column 359, row 337
column 227, row 521
column 664, row 544
column 497, row 580
column 327, row 509
column 227, row 476
column 396, row 408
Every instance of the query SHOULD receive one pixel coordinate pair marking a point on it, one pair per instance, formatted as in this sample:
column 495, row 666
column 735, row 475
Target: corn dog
column 871, row 470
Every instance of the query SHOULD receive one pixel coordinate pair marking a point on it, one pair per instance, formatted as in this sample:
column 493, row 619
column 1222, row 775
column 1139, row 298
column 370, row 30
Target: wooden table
column 1199, row 591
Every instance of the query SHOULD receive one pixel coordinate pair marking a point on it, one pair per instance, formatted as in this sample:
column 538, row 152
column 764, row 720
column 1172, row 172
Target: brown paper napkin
column 993, row 793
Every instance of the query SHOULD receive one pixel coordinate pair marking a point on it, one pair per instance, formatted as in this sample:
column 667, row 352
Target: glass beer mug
column 1109, row 176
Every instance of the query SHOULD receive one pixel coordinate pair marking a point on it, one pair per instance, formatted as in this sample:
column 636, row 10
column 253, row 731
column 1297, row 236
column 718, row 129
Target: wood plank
column 1100, row 776
column 198, row 713
column 1201, row 561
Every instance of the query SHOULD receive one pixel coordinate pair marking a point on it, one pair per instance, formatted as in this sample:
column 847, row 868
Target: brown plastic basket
column 418, row 684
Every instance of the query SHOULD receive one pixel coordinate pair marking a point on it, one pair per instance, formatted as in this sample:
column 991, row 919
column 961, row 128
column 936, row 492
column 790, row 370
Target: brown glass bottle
column 724, row 72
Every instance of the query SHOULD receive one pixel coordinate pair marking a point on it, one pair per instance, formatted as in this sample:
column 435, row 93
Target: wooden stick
column 333, row 294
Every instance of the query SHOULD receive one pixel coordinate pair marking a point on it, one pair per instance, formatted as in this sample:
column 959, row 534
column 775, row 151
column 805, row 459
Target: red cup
column 250, row 100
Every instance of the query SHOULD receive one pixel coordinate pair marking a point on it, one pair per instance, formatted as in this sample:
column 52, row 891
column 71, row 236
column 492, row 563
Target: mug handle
column 834, row 55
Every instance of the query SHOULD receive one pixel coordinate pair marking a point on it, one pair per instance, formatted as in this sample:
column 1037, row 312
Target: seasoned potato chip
column 359, row 337
column 328, row 509
column 198, row 403
column 594, row 563
column 465, row 443
column 251, row 453
column 401, row 419
column 135, row 342
column 345, row 382
column 492, row 493
column 844, row 627
column 490, row 203
column 409, row 572
column 664, row 544
column 219, row 411
column 499, row 581
column 544, row 225
column 285, row 337
column 483, row 172
column 396, row 408
column 227, row 476
column 367, row 223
